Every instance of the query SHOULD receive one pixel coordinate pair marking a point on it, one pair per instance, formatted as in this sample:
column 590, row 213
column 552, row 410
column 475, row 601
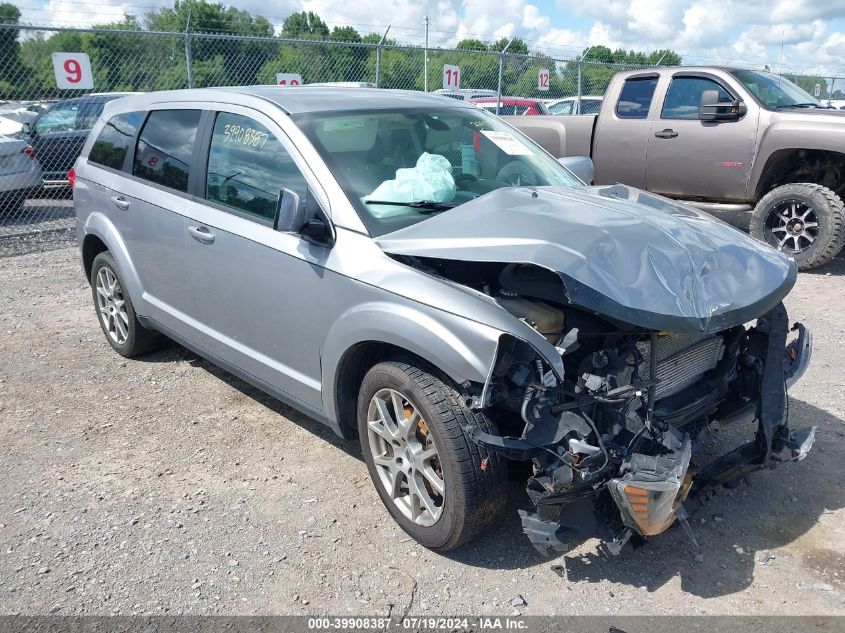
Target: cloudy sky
column 798, row 35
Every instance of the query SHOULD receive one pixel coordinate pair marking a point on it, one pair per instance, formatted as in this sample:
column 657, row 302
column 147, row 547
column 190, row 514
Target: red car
column 510, row 106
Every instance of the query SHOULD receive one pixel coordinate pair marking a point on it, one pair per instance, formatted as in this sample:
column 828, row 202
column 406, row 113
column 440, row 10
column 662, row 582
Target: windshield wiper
column 426, row 205
column 802, row 105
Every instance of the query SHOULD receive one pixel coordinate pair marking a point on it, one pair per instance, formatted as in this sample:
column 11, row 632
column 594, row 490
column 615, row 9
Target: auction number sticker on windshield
column 508, row 143
column 332, row 125
column 244, row 135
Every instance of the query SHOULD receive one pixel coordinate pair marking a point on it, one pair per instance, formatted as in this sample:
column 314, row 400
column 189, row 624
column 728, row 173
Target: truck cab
column 724, row 139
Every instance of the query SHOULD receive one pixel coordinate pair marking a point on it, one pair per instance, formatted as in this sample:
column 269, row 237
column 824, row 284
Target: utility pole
column 427, row 22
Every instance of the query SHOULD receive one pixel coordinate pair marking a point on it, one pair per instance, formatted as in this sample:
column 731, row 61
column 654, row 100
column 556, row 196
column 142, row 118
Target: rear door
column 255, row 287
column 689, row 158
column 150, row 206
column 622, row 131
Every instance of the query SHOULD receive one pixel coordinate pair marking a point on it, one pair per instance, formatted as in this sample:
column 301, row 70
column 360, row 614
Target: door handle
column 201, row 234
column 120, row 202
column 667, row 133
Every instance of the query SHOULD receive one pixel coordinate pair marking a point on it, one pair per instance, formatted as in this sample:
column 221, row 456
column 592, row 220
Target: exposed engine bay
column 612, row 441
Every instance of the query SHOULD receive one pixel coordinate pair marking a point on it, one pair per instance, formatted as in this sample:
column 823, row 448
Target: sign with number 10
column 451, row 76
column 288, row 79
column 73, row 71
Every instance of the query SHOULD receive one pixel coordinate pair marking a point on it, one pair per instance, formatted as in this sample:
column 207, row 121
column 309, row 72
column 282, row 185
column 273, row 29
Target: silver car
column 20, row 173
column 414, row 272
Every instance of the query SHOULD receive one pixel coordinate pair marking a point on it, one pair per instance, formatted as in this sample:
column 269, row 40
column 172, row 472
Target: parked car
column 722, row 139
column 358, row 255
column 20, row 173
column 58, row 133
column 512, row 106
column 465, row 94
column 574, row 105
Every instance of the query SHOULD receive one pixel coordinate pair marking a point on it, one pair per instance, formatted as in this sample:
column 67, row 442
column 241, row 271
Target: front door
column 255, row 287
column 689, row 158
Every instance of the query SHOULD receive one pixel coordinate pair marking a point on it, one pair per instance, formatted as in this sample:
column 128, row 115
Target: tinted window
column 113, row 143
column 165, row 146
column 590, row 106
column 684, row 97
column 635, row 99
column 248, row 167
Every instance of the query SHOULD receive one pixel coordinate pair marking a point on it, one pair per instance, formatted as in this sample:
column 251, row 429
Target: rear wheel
column 806, row 221
column 439, row 486
column 115, row 311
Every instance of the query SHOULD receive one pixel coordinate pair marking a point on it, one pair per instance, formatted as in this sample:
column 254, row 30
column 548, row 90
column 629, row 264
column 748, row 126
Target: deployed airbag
column 430, row 180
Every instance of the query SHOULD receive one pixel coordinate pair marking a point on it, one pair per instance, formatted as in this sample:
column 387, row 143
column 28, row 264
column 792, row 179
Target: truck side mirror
column 711, row 109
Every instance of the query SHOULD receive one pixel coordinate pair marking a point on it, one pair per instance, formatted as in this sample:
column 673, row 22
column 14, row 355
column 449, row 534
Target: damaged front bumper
column 593, row 480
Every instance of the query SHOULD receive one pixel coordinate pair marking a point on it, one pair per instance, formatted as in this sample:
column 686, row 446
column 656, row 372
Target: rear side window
column 635, row 99
column 165, row 147
column 683, row 98
column 114, row 140
column 248, row 167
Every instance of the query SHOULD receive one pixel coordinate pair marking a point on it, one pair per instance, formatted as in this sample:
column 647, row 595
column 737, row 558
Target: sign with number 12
column 543, row 79
column 451, row 76
column 73, row 71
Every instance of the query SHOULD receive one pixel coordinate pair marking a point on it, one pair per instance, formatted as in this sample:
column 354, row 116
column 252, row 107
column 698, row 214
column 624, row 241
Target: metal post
column 425, row 58
column 501, row 71
column 578, row 102
column 378, row 55
column 189, row 60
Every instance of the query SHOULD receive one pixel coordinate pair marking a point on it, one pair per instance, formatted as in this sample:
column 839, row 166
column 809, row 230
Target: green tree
column 471, row 45
column 517, row 47
column 11, row 70
column 304, row 25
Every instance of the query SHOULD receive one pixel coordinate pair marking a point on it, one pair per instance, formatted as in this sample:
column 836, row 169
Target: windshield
column 775, row 92
column 400, row 166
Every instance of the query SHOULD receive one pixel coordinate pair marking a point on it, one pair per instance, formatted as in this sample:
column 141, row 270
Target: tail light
column 28, row 151
column 71, row 177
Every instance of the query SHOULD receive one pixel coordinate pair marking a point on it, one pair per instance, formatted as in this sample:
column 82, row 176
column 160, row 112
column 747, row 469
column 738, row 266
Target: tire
column 137, row 339
column 474, row 494
column 778, row 217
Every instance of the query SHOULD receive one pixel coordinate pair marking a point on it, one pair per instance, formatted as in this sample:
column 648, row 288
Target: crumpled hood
column 620, row 252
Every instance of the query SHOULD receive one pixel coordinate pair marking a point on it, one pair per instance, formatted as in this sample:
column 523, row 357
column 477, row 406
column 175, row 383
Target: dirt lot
column 164, row 485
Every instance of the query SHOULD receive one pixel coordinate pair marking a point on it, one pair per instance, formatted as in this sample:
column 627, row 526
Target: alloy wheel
column 406, row 457
column 792, row 226
column 111, row 306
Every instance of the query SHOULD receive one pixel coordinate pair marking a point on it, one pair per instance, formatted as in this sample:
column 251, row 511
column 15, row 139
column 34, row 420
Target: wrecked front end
column 612, row 443
column 649, row 322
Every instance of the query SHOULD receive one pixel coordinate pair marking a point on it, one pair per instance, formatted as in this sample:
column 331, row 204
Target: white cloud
column 708, row 31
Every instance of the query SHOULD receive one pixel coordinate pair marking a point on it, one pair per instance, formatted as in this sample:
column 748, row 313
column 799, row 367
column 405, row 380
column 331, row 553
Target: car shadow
column 836, row 266
column 176, row 352
column 740, row 527
column 734, row 528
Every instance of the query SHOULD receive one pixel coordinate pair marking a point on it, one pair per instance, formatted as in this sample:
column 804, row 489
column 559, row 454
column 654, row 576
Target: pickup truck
column 724, row 140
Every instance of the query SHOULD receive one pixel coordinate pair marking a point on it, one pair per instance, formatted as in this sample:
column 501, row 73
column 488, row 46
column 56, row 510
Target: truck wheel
column 806, row 221
column 115, row 311
column 439, row 486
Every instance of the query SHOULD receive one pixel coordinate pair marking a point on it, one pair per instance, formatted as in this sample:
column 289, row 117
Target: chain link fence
column 42, row 128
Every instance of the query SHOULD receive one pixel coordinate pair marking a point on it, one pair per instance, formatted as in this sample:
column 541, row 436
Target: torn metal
column 645, row 305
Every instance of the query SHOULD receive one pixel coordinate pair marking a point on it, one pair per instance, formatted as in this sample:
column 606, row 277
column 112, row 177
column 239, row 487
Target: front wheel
column 439, row 486
column 806, row 221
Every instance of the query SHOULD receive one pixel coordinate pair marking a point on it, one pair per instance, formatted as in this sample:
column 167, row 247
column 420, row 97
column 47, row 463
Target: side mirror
column 711, row 109
column 581, row 166
column 318, row 231
column 26, row 128
column 303, row 217
column 290, row 214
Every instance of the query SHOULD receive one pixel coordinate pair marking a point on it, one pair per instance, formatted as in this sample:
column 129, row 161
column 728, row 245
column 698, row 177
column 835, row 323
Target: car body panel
column 620, row 252
column 18, row 170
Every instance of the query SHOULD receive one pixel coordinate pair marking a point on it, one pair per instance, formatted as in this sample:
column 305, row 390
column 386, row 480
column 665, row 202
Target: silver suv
column 413, row 271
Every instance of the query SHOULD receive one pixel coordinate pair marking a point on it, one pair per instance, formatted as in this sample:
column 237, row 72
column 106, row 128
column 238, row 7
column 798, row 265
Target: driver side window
column 60, row 119
column 248, row 167
column 684, row 97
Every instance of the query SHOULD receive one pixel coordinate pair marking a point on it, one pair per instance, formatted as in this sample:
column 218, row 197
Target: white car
column 466, row 94
column 20, row 173
column 570, row 105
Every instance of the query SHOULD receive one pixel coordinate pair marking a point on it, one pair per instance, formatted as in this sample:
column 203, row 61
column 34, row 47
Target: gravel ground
column 164, row 485
column 39, row 225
